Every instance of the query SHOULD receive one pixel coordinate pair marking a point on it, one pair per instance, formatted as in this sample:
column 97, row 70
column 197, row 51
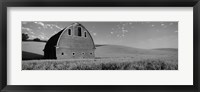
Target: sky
column 141, row 34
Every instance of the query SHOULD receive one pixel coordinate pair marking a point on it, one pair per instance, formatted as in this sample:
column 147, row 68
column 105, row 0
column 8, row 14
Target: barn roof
column 53, row 40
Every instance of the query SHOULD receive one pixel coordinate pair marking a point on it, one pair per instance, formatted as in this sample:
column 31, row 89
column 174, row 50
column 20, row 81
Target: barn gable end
column 74, row 41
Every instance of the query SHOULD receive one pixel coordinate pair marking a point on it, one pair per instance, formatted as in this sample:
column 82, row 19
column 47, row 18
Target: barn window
column 83, row 53
column 69, row 31
column 62, row 53
column 78, row 31
column 85, row 34
column 73, row 53
column 90, row 53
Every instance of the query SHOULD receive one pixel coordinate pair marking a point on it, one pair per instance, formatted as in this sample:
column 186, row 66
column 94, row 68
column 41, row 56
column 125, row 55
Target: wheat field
column 137, row 62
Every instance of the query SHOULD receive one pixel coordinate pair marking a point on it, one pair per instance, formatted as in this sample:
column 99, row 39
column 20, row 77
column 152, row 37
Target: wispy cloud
column 45, row 26
column 40, row 23
column 43, row 36
column 24, row 28
column 94, row 34
column 27, row 30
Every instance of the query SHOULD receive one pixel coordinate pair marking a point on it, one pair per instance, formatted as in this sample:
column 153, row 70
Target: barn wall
column 66, row 53
column 72, row 41
column 81, row 46
column 50, row 53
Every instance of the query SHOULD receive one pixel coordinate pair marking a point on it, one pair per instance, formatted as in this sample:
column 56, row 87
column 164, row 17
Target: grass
column 161, row 62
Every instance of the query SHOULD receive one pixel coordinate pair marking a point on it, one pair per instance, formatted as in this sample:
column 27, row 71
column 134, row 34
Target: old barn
column 73, row 42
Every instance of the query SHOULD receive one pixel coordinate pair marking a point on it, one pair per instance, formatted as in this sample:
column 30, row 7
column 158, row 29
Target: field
column 108, row 57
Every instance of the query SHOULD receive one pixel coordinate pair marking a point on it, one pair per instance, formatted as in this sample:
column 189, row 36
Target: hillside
column 167, row 49
column 116, row 50
column 34, row 50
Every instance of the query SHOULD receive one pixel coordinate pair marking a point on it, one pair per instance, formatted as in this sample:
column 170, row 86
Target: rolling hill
column 34, row 50
column 116, row 50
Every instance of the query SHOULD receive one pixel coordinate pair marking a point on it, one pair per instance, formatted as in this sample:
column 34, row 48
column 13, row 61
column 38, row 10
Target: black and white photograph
column 109, row 45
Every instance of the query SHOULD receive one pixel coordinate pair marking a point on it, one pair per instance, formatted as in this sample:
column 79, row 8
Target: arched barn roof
column 54, row 40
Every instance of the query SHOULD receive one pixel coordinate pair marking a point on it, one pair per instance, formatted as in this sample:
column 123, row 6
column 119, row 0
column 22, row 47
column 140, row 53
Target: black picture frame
column 100, row 3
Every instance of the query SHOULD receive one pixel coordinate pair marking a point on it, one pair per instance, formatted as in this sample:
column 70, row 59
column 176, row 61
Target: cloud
column 94, row 34
column 55, row 32
column 124, row 31
column 32, row 36
column 40, row 23
column 120, row 33
column 112, row 32
column 43, row 36
column 45, row 26
column 32, row 32
column 28, row 30
column 57, row 27
column 24, row 28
